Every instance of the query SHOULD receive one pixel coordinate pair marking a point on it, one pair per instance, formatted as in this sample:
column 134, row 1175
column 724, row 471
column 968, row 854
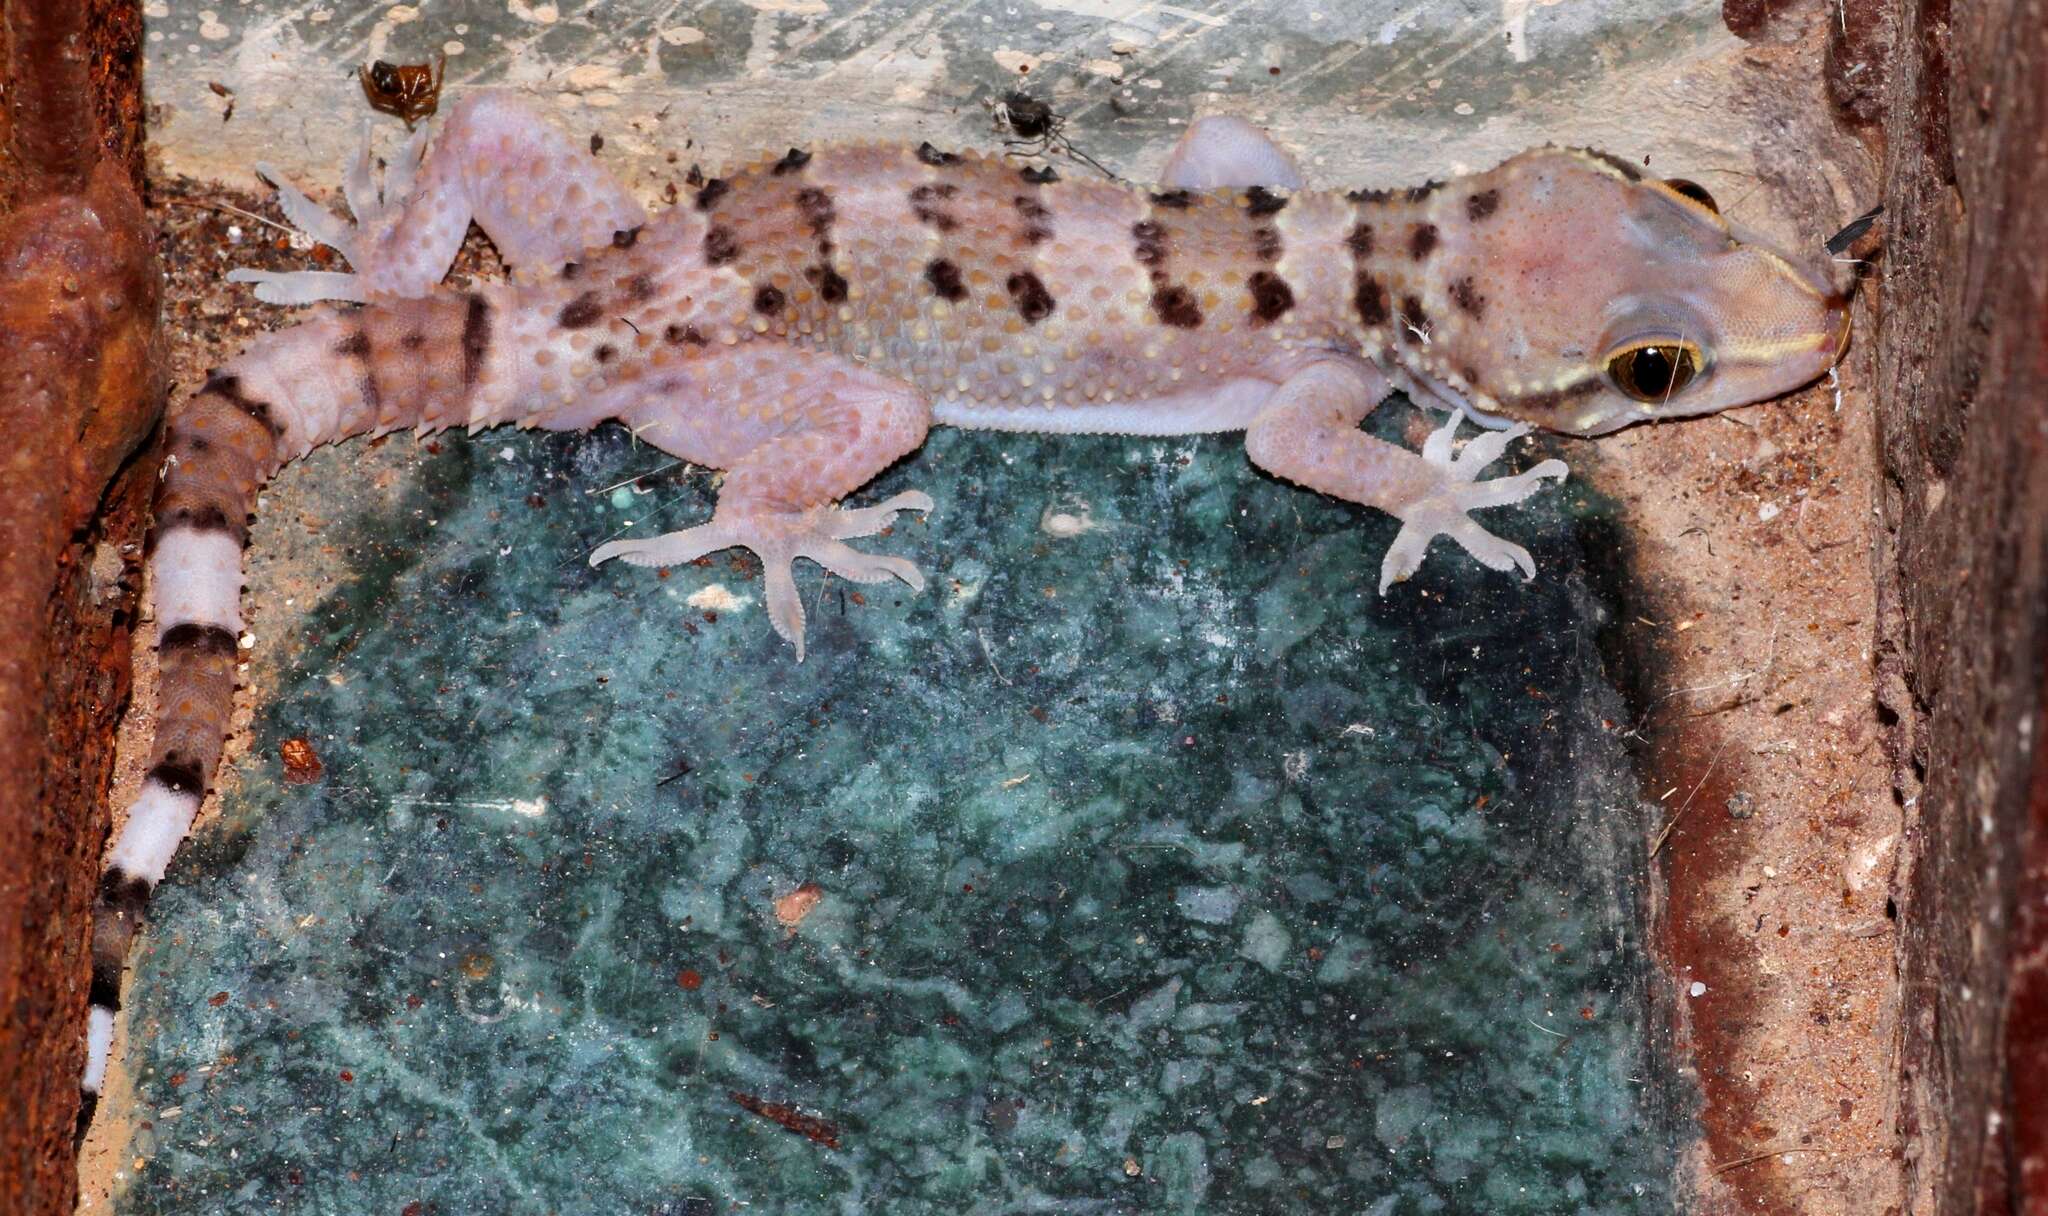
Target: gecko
column 800, row 323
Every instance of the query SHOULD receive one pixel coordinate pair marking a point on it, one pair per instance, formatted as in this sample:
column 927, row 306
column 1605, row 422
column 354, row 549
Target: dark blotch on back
column 1416, row 194
column 605, row 353
column 571, row 269
column 1175, row 305
column 581, row 312
column 1271, row 296
column 1467, row 297
column 1034, row 302
column 720, row 245
column 414, row 340
column 1411, row 312
column 1266, row 243
column 793, row 161
column 355, row 346
column 816, row 206
column 684, row 335
column 637, row 289
column 830, row 283
column 1369, row 196
column 1260, row 201
column 1179, row 200
column 1151, row 238
column 1371, row 300
column 935, row 158
column 944, row 277
column 1039, row 177
column 626, row 238
column 923, row 207
column 1037, row 218
column 1360, row 241
column 1421, row 241
column 714, row 190
column 1482, row 205
column 768, row 299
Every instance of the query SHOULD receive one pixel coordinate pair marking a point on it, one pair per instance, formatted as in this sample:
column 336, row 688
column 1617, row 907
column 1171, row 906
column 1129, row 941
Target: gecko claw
column 1443, row 512
column 819, row 534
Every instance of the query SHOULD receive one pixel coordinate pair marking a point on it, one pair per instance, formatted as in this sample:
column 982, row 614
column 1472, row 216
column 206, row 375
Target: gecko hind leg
column 786, row 469
column 541, row 199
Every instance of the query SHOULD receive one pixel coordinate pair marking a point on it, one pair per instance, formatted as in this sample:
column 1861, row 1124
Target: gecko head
column 1606, row 298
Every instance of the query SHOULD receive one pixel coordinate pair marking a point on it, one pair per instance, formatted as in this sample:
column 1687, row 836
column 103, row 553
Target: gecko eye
column 1694, row 191
column 1653, row 372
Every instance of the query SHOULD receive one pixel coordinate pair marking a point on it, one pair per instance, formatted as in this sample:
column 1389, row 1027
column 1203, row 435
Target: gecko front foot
column 778, row 540
column 1442, row 512
column 374, row 206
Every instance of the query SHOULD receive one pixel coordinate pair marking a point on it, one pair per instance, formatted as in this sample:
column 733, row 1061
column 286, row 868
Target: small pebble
column 1741, row 805
column 1697, row 989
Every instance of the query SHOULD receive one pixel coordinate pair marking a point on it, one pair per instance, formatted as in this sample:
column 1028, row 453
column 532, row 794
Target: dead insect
column 1029, row 117
column 410, row 91
column 1033, row 128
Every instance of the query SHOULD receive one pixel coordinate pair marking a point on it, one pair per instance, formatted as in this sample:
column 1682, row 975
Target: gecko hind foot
column 819, row 534
column 372, row 204
column 1443, row 511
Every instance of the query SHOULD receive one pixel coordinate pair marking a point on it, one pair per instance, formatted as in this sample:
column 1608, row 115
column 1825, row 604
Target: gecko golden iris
column 802, row 322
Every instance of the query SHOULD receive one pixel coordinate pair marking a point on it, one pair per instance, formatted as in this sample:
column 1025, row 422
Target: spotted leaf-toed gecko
column 802, row 322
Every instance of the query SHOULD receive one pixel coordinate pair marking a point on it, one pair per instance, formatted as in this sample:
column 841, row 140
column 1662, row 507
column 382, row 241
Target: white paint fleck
column 402, row 14
column 531, row 808
column 157, row 9
column 682, row 35
column 1105, row 67
column 210, row 26
column 1767, row 512
column 452, row 48
column 1697, row 989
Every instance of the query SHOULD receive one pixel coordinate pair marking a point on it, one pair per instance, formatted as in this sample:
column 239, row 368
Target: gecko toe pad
column 819, row 534
column 1443, row 512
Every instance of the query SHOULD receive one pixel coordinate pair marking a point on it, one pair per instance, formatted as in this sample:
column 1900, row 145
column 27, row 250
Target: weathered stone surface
column 1965, row 450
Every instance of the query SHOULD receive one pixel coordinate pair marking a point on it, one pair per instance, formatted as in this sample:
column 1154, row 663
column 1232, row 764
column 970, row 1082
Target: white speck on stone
column 1209, row 905
column 682, row 35
column 506, row 454
column 1697, row 989
column 1767, row 512
column 718, row 598
column 531, row 808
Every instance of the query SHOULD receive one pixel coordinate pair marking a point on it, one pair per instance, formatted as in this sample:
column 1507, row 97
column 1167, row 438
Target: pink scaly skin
column 802, row 322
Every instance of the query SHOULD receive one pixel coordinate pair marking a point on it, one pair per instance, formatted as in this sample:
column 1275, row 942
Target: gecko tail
column 411, row 363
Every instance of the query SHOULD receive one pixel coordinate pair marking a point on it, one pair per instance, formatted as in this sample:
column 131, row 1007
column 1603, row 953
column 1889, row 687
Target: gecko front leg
column 1308, row 433
column 541, row 199
column 788, row 458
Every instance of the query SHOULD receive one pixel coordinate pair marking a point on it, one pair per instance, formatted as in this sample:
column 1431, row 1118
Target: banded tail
column 413, row 363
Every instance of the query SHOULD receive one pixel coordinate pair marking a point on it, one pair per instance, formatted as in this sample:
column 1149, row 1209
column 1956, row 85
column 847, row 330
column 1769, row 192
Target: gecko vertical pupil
column 1655, row 371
